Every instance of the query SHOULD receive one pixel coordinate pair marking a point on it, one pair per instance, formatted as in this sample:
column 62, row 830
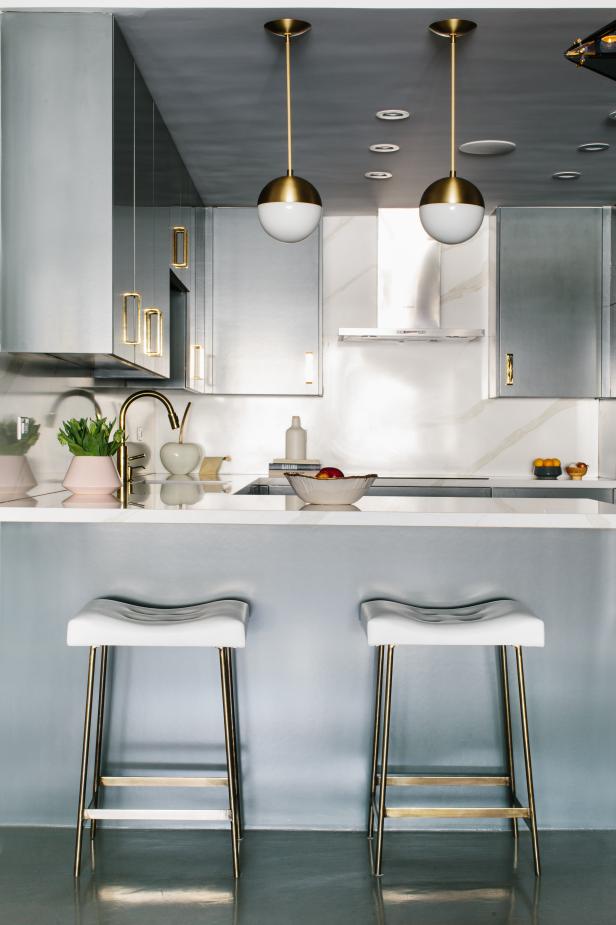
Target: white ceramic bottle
column 295, row 446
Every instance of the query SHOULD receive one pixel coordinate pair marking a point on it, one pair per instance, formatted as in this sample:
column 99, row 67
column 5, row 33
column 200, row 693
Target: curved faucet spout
column 124, row 470
column 148, row 393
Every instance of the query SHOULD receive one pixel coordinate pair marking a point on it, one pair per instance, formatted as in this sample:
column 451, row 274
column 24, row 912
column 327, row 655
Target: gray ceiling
column 217, row 77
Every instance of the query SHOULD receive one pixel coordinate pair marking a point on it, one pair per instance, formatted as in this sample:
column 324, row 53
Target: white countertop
column 214, row 503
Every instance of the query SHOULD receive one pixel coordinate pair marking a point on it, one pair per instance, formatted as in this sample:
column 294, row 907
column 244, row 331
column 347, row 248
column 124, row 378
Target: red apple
column 330, row 472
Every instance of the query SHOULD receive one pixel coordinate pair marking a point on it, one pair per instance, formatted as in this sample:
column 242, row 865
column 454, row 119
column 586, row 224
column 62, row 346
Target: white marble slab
column 218, row 507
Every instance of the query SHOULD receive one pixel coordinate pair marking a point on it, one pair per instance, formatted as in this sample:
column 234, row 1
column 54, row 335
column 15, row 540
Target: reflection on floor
column 307, row 878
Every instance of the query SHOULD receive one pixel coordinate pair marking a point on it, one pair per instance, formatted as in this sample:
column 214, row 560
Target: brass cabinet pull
column 309, row 368
column 198, row 361
column 509, row 369
column 135, row 299
column 180, row 247
column 148, row 315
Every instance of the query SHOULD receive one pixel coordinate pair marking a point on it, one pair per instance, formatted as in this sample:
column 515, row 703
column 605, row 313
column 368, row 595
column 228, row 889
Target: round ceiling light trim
column 566, row 175
column 378, row 175
column 384, row 148
column 392, row 115
column 487, row 147
column 592, row 146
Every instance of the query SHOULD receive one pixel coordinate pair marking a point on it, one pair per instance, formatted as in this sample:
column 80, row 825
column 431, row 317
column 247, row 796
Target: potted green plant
column 93, row 443
column 15, row 441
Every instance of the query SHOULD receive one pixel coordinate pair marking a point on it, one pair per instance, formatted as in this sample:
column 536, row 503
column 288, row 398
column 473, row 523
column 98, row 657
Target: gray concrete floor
column 306, row 878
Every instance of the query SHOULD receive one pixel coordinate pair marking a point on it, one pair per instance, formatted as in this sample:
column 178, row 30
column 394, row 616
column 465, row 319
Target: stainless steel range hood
column 409, row 285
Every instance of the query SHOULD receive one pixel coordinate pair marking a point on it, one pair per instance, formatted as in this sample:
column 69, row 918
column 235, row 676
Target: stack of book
column 306, row 466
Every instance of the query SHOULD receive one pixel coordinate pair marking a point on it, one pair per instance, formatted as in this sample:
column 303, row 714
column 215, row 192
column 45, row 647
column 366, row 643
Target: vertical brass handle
column 135, row 299
column 179, row 256
column 148, row 315
column 509, row 369
column 309, row 368
column 198, row 362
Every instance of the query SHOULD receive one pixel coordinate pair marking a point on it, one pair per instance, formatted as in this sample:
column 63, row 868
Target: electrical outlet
column 139, row 434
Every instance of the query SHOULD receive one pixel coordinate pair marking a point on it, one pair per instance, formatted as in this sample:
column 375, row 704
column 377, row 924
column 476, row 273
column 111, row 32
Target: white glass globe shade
column 449, row 222
column 289, row 221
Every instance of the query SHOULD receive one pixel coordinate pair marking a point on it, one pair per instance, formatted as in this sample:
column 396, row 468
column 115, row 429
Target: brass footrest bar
column 434, row 780
column 187, row 815
column 457, row 812
column 164, row 781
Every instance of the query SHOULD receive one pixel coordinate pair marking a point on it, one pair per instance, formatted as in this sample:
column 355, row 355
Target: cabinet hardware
column 135, row 299
column 309, row 368
column 198, row 362
column 180, row 247
column 148, row 315
column 509, row 369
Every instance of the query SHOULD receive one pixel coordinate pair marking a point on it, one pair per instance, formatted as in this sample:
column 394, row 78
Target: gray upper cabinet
column 549, row 299
column 86, row 220
column 266, row 309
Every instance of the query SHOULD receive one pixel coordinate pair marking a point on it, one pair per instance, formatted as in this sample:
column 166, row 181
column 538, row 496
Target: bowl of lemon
column 549, row 468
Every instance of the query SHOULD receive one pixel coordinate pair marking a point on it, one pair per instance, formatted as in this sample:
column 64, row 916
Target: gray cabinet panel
column 126, row 314
column 594, row 494
column 266, row 309
column 57, row 106
column 416, row 491
column 550, row 282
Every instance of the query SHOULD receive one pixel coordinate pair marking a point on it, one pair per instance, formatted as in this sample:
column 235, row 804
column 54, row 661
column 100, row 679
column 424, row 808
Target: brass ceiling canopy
column 283, row 27
column 597, row 52
column 448, row 27
column 451, row 209
column 289, row 207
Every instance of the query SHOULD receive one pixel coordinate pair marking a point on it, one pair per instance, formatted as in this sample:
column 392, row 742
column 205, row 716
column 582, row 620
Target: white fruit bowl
column 346, row 490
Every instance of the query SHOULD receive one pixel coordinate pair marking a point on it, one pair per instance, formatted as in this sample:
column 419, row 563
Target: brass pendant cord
column 452, row 171
column 287, row 44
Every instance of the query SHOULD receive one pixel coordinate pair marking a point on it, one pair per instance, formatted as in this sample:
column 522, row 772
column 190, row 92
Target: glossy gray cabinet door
column 126, row 308
column 266, row 309
column 57, row 122
column 549, row 302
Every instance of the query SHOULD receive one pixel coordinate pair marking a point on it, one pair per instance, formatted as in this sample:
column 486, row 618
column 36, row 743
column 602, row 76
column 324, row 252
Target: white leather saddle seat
column 107, row 622
column 502, row 622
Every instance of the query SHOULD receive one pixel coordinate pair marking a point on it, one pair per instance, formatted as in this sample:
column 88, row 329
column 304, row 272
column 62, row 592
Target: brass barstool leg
column 376, row 737
column 84, row 759
column 100, row 720
column 226, row 705
column 508, row 735
column 378, row 857
column 527, row 760
column 234, row 742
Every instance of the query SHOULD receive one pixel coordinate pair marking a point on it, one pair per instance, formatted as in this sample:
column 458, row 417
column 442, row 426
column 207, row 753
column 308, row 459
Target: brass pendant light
column 289, row 207
column 452, row 208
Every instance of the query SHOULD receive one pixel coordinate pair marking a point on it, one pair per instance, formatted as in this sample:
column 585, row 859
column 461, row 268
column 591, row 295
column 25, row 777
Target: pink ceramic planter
column 92, row 475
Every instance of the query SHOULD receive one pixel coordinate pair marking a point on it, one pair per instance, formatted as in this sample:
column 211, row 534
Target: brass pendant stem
column 287, row 44
column 452, row 172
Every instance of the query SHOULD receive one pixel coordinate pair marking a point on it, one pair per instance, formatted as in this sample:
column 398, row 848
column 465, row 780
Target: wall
column 397, row 408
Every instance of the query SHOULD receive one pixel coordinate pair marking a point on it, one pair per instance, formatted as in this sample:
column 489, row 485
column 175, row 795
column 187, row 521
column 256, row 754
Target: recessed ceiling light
column 391, row 115
column 384, row 148
column 487, row 147
column 378, row 175
column 566, row 175
column 594, row 146
column 612, row 115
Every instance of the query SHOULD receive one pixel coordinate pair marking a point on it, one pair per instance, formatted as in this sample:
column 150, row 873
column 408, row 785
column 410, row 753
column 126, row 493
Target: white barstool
column 499, row 623
column 103, row 623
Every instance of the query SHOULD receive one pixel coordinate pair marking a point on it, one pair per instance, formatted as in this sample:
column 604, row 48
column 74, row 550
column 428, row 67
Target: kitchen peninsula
column 304, row 573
